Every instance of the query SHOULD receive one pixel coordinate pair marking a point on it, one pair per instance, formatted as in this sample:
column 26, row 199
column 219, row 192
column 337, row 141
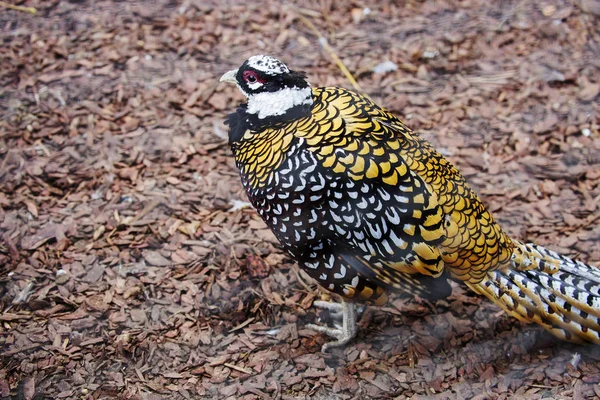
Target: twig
column 243, row 324
column 30, row 10
column 323, row 42
column 145, row 211
column 240, row 369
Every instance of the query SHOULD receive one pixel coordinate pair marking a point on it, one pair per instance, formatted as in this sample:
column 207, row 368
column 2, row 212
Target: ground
column 132, row 267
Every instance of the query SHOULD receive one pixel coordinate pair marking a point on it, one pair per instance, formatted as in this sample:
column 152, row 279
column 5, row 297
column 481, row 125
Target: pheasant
column 365, row 205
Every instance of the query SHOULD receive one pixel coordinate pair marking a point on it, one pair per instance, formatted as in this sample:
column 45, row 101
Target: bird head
column 271, row 87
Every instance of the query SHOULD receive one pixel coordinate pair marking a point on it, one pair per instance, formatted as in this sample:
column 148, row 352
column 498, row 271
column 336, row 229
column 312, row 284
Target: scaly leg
column 343, row 334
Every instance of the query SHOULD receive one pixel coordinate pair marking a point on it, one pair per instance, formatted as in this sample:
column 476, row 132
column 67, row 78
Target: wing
column 338, row 268
column 404, row 208
column 426, row 286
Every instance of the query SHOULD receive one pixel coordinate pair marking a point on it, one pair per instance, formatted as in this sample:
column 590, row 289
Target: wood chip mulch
column 132, row 267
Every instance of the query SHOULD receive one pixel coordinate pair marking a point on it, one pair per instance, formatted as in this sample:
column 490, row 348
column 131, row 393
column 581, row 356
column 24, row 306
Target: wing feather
column 441, row 221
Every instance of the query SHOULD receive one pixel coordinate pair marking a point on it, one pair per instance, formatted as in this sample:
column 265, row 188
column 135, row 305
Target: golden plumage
column 351, row 135
column 362, row 203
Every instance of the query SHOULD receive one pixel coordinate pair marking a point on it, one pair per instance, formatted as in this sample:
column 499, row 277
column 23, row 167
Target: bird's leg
column 335, row 309
column 343, row 334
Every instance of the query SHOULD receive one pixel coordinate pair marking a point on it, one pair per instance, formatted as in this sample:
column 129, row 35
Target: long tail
column 554, row 291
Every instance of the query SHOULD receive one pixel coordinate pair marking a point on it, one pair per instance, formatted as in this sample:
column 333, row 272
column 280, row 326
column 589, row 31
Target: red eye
column 251, row 77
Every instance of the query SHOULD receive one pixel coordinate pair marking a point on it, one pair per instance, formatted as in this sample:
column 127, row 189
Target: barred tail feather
column 554, row 291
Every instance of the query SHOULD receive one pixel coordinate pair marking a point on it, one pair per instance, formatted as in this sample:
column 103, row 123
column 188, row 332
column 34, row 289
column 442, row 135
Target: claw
column 343, row 334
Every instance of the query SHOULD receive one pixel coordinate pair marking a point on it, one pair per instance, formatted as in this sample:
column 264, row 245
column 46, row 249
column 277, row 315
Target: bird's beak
column 229, row 76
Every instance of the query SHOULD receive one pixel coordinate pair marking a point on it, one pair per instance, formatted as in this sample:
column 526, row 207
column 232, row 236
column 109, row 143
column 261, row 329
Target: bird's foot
column 343, row 333
column 335, row 309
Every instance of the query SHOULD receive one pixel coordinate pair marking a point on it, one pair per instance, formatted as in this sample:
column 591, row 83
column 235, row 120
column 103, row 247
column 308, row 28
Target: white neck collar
column 269, row 104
